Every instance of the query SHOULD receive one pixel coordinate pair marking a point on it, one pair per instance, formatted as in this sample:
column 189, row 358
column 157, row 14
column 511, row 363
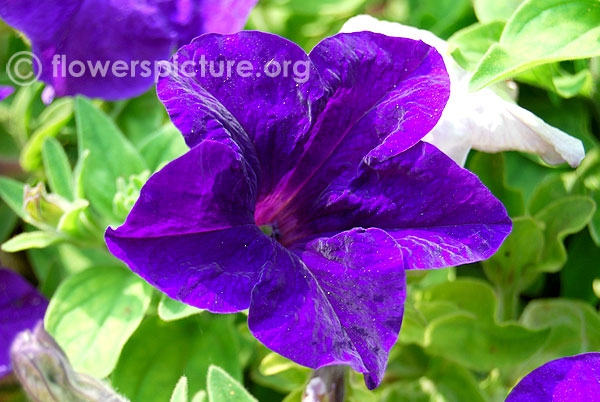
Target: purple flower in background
column 107, row 32
column 5, row 91
column 305, row 196
column 570, row 379
column 21, row 307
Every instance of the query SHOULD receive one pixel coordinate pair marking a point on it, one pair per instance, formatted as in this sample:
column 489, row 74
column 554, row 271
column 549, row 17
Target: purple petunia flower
column 306, row 197
column 114, row 31
column 21, row 307
column 570, row 379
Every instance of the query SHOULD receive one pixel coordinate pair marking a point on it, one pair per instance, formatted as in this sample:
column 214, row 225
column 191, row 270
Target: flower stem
column 508, row 304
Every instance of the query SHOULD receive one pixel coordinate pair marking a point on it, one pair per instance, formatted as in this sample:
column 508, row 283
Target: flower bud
column 46, row 375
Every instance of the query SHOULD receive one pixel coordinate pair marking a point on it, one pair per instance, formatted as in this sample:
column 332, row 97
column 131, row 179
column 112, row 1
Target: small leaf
column 163, row 146
column 20, row 111
column 111, row 156
column 27, row 240
column 494, row 10
column 58, row 169
column 489, row 346
column 200, row 396
column 541, row 31
column 574, row 328
column 470, row 295
column 277, row 372
column 180, row 393
column 12, row 192
column 8, row 221
column 521, row 250
column 140, row 116
column 52, row 120
column 561, row 218
column 222, row 387
column 172, row 310
column 552, row 188
column 470, row 44
column 454, row 382
column 93, row 313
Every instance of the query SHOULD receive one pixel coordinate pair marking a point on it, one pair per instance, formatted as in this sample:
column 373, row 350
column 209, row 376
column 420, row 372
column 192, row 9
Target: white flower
column 482, row 120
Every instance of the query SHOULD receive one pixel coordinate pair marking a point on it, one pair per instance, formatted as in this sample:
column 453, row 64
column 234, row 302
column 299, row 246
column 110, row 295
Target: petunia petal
column 113, row 46
column 441, row 214
column 190, row 18
column 94, row 31
column 384, row 95
column 21, row 307
column 482, row 120
column 192, row 235
column 5, row 91
column 273, row 112
column 570, row 379
column 214, row 270
column 343, row 303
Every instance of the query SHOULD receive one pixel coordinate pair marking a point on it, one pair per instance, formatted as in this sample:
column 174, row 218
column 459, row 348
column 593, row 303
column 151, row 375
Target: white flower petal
column 482, row 120
column 510, row 127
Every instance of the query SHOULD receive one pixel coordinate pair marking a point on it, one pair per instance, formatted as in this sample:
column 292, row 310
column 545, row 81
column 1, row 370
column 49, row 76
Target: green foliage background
column 469, row 333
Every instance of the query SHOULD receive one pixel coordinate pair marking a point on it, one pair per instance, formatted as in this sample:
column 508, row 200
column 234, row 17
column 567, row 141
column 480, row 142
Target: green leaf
column 141, row 116
column 468, row 45
column 463, row 312
column 468, row 294
column 163, row 146
column 521, row 250
column 52, row 120
column 222, row 387
column 494, row 10
column 80, row 172
column 54, row 264
column 111, row 156
column 172, row 310
column 180, row 393
column 574, row 328
column 200, row 396
column 12, row 192
column 58, row 169
column 454, row 383
column 93, row 313
column 541, row 31
column 8, row 221
column 27, row 240
column 442, row 17
column 561, row 218
column 407, row 391
column 159, row 353
column 552, row 188
column 489, row 346
column 595, row 222
column 277, row 372
column 21, row 111
column 418, row 316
